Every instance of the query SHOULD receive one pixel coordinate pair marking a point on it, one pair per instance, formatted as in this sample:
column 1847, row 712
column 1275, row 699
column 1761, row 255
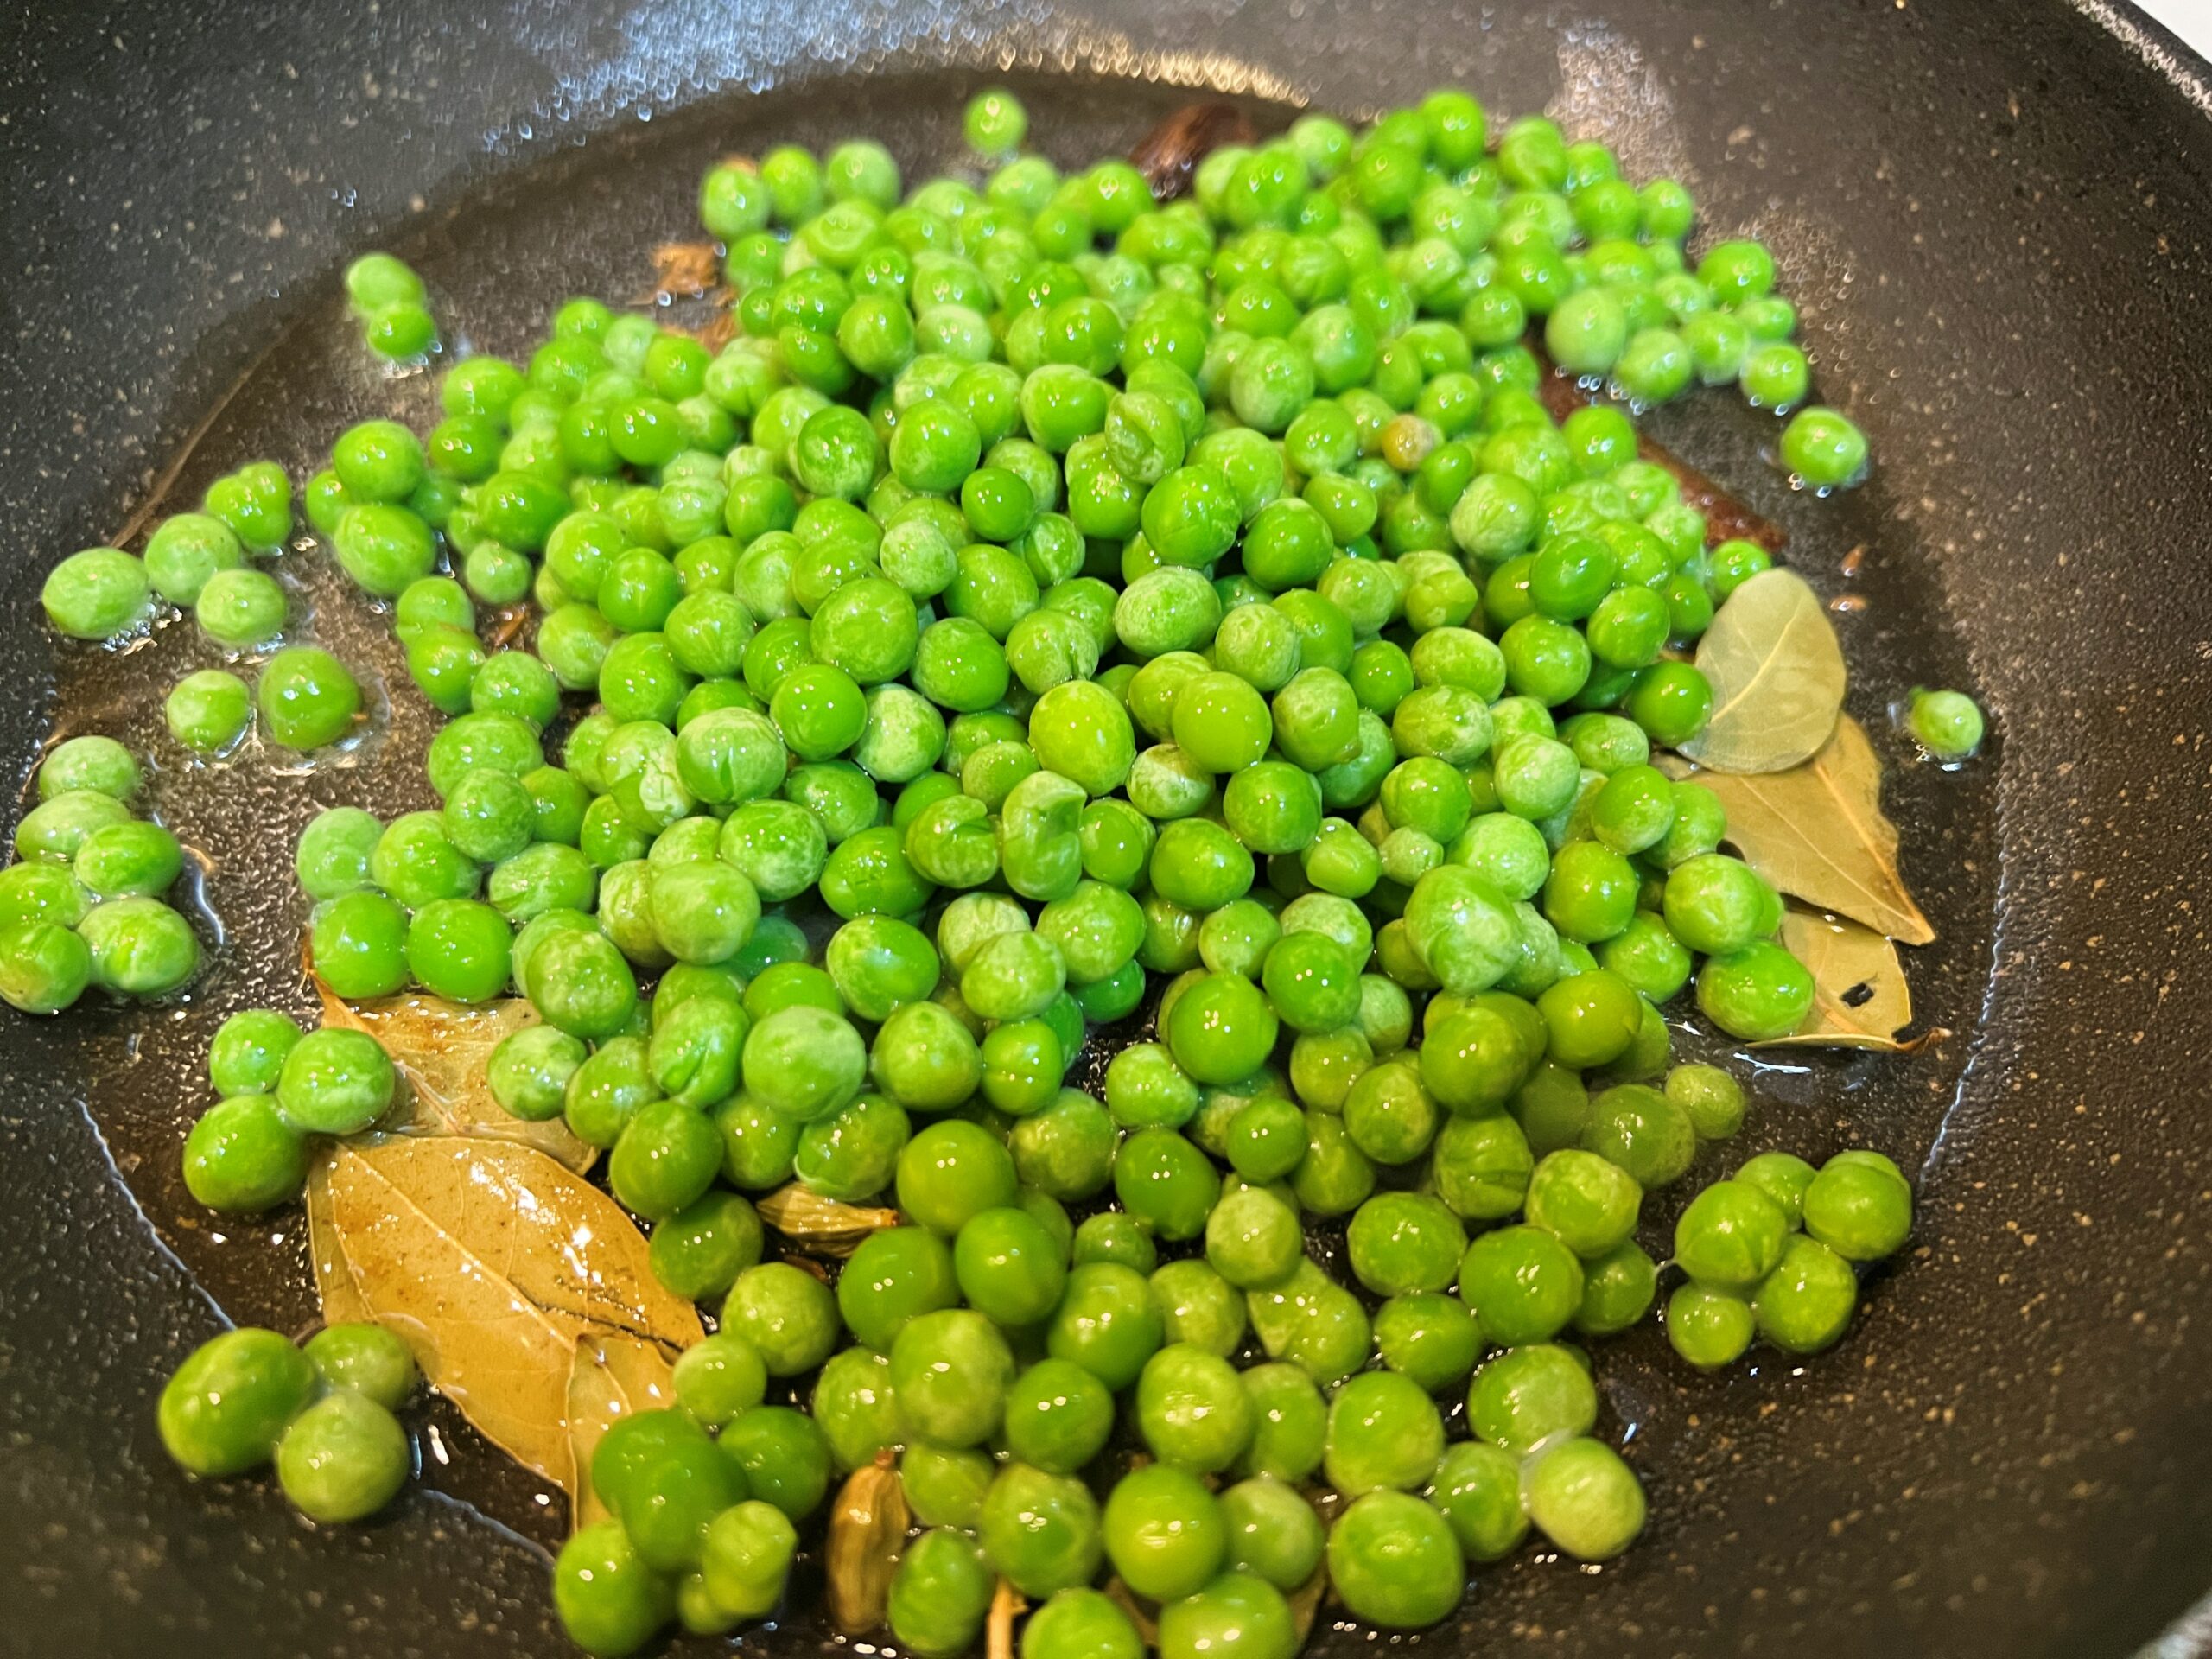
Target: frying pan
column 1995, row 217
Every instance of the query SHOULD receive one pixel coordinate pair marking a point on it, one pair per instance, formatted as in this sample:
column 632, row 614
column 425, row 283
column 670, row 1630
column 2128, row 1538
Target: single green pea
column 1618, row 1289
column 1756, row 993
column 1859, row 1207
column 366, row 1359
column 343, row 1458
column 1384, row 1432
column 1080, row 1623
column 1583, row 1498
column 1429, row 1337
column 1522, row 1283
column 1395, row 1560
column 945, row 1486
column 1589, row 1204
column 241, row 1157
column 700, row 1250
column 96, row 594
column 1477, row 1491
column 1164, row 1532
column 1707, row 1327
column 745, row 1559
column 951, row 1172
column 940, row 1594
column 1784, row 1178
column 1948, row 725
column 803, row 1061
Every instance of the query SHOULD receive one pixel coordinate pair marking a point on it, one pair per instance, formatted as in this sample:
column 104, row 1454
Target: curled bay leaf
column 867, row 1529
column 491, row 1260
column 442, row 1049
column 1860, row 999
column 1777, row 676
column 614, row 1375
column 1816, row 833
column 821, row 1226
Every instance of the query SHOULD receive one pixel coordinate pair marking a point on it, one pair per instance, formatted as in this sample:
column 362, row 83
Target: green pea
column 700, row 1250
column 1858, row 1206
column 1583, row 1498
column 1617, row 1288
column 1403, row 1242
column 1396, row 1561
column 1310, row 1320
column 343, row 1458
column 1707, row 1327
column 1429, row 1337
column 241, row 1156
column 951, row 1172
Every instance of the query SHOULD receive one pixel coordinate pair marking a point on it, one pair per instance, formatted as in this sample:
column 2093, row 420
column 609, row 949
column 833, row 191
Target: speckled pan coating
column 1996, row 217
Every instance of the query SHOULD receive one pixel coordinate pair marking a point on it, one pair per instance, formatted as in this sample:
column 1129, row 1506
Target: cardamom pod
column 867, row 1532
column 821, row 1226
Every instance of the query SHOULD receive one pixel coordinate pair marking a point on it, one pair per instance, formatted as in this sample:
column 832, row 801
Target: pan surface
column 1995, row 219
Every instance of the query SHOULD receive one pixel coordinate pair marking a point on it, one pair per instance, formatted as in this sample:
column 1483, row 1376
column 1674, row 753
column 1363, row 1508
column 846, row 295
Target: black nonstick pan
column 1996, row 217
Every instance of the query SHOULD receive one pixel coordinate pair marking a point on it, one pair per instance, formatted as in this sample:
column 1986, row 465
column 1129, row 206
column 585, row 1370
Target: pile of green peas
column 86, row 902
column 1052, row 601
column 323, row 1411
column 275, row 1087
column 202, row 562
column 1772, row 1253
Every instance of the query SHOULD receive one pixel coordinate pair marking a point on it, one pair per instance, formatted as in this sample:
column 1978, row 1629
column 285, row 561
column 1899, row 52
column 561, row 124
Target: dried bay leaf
column 490, row 1261
column 342, row 1303
column 1860, row 999
column 1777, row 677
column 867, row 1529
column 821, row 1226
column 614, row 1375
column 442, row 1048
column 560, row 1241
column 1816, row 833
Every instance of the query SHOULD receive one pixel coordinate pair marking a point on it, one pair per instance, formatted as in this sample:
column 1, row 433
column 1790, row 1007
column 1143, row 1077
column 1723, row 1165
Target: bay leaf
column 614, row 1375
column 342, row 1303
column 491, row 1260
column 1816, row 833
column 442, row 1049
column 822, row 1226
column 1777, row 677
column 1860, row 999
